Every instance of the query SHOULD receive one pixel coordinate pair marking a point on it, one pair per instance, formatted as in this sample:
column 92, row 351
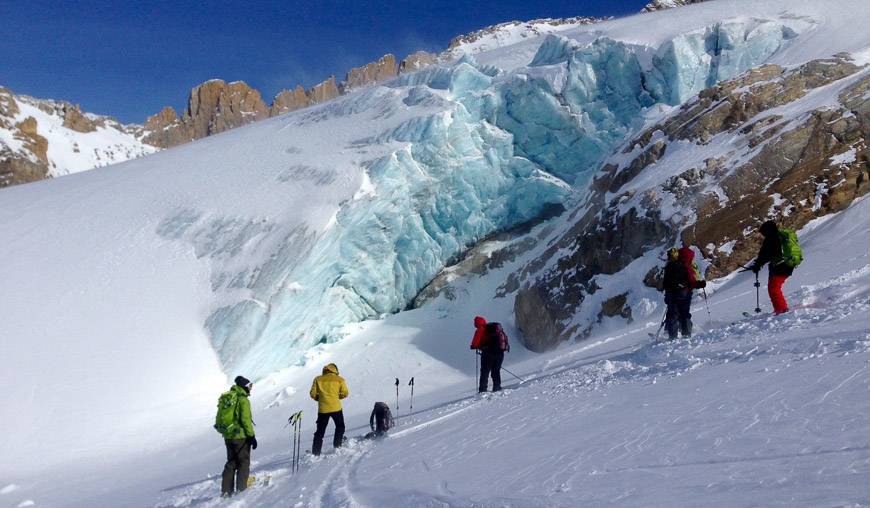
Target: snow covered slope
column 255, row 251
column 770, row 410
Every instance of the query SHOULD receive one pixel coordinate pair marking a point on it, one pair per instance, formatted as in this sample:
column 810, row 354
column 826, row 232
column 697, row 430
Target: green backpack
column 791, row 250
column 225, row 420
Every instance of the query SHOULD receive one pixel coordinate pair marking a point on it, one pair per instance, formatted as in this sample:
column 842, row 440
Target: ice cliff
column 494, row 149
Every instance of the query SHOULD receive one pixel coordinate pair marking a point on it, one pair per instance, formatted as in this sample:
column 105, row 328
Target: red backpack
column 495, row 338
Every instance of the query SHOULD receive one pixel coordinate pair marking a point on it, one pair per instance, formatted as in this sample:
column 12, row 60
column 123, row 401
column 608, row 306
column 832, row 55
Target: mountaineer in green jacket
column 234, row 422
column 328, row 389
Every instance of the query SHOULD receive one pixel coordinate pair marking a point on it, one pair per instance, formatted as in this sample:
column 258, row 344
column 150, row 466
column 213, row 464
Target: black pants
column 322, row 420
column 678, row 317
column 490, row 364
column 238, row 465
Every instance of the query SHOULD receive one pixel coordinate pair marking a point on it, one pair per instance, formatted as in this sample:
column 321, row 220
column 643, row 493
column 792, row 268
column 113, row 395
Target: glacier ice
column 494, row 150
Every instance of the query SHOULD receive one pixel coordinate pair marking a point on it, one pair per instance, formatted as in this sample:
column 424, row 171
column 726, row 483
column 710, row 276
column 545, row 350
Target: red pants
column 774, row 290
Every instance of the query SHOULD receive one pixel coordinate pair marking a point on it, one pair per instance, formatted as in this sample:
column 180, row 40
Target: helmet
column 673, row 254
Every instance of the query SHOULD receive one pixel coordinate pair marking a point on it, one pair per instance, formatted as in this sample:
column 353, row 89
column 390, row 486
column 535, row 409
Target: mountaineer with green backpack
column 233, row 421
column 780, row 248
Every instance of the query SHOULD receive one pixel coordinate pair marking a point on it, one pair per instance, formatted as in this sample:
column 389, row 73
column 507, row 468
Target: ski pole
column 298, row 440
column 757, row 301
column 397, row 397
column 476, row 375
column 514, row 375
column 411, row 384
column 295, row 446
column 662, row 325
column 709, row 316
column 297, row 437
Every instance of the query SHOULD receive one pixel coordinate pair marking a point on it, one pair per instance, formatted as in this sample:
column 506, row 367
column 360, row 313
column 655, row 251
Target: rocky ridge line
column 660, row 5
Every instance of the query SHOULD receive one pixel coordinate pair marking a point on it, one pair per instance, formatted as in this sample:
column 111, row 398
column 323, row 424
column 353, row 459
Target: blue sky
column 129, row 59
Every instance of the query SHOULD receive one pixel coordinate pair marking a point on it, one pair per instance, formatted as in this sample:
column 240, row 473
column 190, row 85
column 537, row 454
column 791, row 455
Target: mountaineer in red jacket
column 491, row 343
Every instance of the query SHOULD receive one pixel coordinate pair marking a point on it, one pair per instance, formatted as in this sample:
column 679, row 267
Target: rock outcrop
column 369, row 74
column 324, row 91
column 74, row 119
column 8, row 107
column 30, row 126
column 36, row 144
column 212, row 107
column 289, row 100
column 216, row 106
column 660, row 5
column 164, row 129
column 766, row 162
column 18, row 167
column 416, row 61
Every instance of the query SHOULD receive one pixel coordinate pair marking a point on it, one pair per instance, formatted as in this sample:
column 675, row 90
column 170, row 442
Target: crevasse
column 502, row 148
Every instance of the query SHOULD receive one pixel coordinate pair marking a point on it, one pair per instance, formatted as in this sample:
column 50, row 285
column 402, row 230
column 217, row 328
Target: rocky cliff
column 212, row 107
column 383, row 69
column 660, row 5
column 41, row 138
column 787, row 144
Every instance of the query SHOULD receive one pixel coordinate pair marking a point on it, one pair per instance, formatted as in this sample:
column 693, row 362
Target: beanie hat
column 242, row 381
column 768, row 228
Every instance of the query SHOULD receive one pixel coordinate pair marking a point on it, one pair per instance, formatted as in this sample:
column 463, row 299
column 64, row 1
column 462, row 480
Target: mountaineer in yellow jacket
column 328, row 389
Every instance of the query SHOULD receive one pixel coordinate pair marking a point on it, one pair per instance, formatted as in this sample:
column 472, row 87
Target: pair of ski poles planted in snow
column 411, row 384
column 296, row 421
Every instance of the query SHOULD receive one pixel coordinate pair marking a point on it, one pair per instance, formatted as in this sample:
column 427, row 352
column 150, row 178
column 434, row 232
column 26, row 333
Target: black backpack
column 383, row 414
column 496, row 339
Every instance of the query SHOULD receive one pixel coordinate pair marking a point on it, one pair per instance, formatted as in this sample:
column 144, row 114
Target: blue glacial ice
column 501, row 148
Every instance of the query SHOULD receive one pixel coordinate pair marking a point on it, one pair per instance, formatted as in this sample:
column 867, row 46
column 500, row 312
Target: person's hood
column 330, row 369
column 686, row 255
column 768, row 228
column 240, row 390
column 479, row 321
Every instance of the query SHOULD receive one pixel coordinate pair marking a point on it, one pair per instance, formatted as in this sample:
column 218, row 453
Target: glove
column 701, row 284
column 253, row 442
column 755, row 269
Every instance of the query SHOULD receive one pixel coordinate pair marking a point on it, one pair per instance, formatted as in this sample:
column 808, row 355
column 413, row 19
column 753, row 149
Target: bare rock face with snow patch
column 74, row 119
column 42, row 138
column 212, row 107
column 324, row 91
column 416, row 61
column 289, row 100
column 369, row 74
column 660, row 5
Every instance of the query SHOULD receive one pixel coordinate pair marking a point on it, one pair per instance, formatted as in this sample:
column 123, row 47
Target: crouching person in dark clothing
column 380, row 421
column 234, row 422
